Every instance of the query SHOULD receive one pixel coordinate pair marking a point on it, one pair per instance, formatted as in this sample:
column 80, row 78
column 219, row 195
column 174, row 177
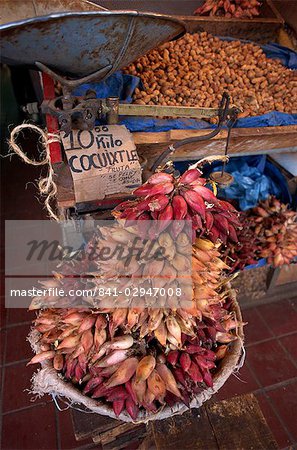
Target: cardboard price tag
column 102, row 161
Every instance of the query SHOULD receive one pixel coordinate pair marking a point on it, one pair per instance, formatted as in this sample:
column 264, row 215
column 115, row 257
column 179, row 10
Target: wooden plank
column 110, row 433
column 117, row 437
column 143, row 138
column 189, row 431
column 239, row 423
column 244, row 141
column 86, row 425
column 64, row 182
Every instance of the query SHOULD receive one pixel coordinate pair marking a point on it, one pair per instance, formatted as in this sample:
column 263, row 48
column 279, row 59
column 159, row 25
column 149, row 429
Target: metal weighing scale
column 74, row 48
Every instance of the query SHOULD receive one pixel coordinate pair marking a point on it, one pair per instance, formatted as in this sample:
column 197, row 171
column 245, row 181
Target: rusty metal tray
column 12, row 10
column 79, row 44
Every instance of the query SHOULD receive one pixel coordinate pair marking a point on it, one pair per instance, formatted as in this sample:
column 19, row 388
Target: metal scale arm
column 226, row 116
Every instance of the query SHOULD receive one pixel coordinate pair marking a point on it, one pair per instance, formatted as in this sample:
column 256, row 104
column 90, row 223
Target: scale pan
column 77, row 44
column 12, row 10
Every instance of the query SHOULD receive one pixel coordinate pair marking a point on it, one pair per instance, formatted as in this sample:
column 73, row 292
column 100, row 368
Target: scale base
column 222, row 179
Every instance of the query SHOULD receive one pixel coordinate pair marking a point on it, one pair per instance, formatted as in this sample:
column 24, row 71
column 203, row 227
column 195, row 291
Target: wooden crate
column 265, row 285
column 288, row 10
column 244, row 141
column 261, row 29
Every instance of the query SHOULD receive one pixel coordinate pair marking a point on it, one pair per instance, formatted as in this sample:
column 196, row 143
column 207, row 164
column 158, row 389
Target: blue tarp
column 262, row 262
column 255, row 178
column 123, row 86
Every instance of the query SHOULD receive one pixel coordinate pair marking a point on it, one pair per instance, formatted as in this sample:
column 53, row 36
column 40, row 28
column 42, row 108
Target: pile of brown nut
column 196, row 69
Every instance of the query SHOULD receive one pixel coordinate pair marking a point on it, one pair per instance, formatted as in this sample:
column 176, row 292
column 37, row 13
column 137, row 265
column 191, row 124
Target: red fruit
column 143, row 225
column 127, row 204
column 155, row 214
column 208, row 220
column 171, row 399
column 118, row 406
column 201, row 335
column 189, row 176
column 221, row 223
column 185, row 398
column 232, row 234
column 206, row 194
column 223, row 237
column 160, row 177
column 92, row 384
column 70, row 367
column 214, row 234
column 209, row 354
column 203, row 363
column 191, row 349
column 172, row 357
column 197, row 222
column 227, row 206
column 233, row 218
column 180, row 207
column 153, row 189
column 211, row 333
column 117, row 393
column 132, row 394
column 185, row 361
column 184, row 338
column 129, row 212
column 144, row 216
column 195, row 373
column 207, row 378
column 132, row 408
column 198, row 182
column 150, row 407
column 143, row 205
column 179, row 376
column 95, row 371
column 82, row 359
column 158, row 202
column 196, row 202
column 164, row 218
column 176, row 228
column 106, row 371
column 78, row 372
column 100, row 391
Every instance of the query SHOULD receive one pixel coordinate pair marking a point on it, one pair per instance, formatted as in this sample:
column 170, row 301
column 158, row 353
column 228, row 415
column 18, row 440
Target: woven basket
column 48, row 381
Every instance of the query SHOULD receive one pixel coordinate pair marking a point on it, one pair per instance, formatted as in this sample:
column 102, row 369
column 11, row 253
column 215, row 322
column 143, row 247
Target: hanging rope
column 47, row 187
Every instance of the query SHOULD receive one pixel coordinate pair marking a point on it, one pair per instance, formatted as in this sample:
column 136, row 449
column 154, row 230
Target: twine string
column 47, row 186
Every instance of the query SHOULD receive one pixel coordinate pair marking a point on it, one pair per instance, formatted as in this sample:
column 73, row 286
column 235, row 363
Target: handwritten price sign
column 102, row 161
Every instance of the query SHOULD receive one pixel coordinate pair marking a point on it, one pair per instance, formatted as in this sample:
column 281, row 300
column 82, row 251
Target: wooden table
column 237, row 423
